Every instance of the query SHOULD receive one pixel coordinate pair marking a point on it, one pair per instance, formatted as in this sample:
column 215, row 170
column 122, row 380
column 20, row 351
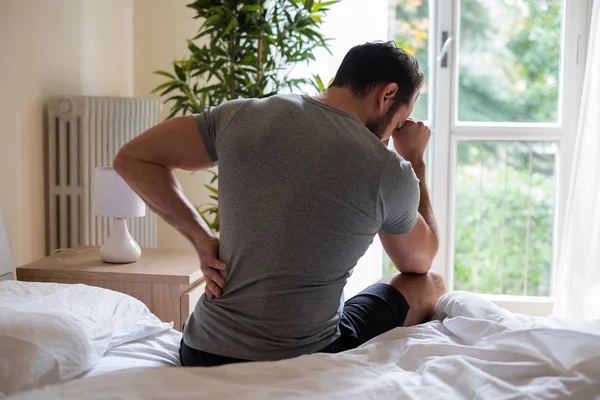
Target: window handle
column 443, row 54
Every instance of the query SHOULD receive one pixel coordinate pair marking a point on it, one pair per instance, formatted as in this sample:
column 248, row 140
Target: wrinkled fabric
column 160, row 350
column 476, row 350
column 50, row 333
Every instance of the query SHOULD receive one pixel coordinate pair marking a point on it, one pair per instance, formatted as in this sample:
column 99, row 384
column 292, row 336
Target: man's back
column 300, row 199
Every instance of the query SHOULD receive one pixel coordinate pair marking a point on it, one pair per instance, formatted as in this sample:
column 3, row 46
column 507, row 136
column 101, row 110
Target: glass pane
column 409, row 28
column 509, row 60
column 504, row 217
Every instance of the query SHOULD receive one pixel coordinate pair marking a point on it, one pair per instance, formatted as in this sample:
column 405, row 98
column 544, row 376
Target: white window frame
column 447, row 132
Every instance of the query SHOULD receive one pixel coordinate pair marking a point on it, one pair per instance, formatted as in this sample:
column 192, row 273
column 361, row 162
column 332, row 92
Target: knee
column 431, row 278
column 435, row 286
column 437, row 282
column 422, row 288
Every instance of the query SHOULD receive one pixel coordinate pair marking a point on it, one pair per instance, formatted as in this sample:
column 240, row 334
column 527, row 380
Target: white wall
column 48, row 48
column 107, row 47
column 160, row 31
column 84, row 47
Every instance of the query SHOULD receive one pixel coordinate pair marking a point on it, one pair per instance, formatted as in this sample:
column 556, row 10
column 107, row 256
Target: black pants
column 376, row 310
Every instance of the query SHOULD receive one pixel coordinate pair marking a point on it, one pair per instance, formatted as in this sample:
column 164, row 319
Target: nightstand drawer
column 189, row 300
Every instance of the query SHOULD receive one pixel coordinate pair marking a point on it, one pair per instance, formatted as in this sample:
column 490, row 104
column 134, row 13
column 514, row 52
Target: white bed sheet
column 51, row 333
column 476, row 352
column 157, row 351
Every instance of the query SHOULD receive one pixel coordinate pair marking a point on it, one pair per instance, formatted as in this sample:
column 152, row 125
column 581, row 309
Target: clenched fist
column 411, row 140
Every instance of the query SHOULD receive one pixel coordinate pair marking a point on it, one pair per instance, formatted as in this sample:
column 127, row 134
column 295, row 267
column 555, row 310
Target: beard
column 378, row 126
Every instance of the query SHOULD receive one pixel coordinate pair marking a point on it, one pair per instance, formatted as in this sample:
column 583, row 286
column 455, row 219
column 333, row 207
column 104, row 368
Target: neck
column 343, row 99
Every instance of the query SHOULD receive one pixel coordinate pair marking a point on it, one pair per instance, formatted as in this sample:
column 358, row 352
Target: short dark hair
column 371, row 64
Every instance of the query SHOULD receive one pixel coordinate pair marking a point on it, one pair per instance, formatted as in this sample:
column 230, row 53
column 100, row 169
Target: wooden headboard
column 6, row 262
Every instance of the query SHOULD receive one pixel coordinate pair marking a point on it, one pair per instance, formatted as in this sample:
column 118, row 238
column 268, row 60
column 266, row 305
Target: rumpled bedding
column 474, row 351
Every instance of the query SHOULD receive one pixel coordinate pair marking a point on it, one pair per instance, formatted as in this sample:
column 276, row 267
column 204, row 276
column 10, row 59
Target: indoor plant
column 243, row 49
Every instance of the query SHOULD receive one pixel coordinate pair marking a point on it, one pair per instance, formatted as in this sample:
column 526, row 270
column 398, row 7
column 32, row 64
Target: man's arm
column 413, row 252
column 146, row 164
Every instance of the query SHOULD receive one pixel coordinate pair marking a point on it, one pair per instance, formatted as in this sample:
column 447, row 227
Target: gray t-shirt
column 303, row 189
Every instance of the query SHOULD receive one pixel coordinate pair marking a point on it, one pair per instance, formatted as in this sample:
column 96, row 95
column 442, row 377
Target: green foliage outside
column 412, row 35
column 509, row 60
column 243, row 49
column 504, row 191
column 509, row 64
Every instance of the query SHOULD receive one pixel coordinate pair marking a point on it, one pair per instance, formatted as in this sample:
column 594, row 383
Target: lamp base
column 120, row 247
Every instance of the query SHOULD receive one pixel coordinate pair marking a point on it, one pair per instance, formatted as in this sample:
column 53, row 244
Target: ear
column 386, row 96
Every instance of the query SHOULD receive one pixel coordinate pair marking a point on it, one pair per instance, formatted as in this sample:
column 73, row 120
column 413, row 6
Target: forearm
column 425, row 208
column 158, row 187
column 414, row 251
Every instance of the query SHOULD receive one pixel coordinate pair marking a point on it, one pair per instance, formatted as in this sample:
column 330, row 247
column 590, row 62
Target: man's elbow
column 122, row 162
column 119, row 163
column 428, row 258
column 421, row 264
column 435, row 246
column 417, row 268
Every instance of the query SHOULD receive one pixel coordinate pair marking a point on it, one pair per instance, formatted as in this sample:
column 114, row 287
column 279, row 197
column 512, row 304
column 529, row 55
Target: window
column 509, row 56
column 502, row 105
column 504, row 217
column 408, row 26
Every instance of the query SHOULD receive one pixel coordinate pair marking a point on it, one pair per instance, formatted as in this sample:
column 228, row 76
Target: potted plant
column 248, row 50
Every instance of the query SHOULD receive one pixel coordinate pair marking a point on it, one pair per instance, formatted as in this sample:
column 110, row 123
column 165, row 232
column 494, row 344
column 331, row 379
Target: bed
column 156, row 351
column 472, row 350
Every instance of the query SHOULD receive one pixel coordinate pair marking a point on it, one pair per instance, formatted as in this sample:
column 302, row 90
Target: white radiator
column 84, row 133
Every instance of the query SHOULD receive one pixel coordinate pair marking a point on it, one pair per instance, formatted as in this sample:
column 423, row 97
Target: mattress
column 474, row 350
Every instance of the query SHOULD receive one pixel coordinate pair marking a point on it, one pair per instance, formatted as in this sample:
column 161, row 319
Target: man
column 304, row 186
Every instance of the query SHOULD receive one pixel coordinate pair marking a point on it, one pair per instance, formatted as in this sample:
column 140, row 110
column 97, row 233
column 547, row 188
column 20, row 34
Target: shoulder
column 397, row 164
column 220, row 114
column 399, row 175
column 231, row 106
column 278, row 100
column 253, row 106
column 398, row 196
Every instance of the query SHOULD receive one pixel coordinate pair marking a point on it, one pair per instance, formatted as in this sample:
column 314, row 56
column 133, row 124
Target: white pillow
column 470, row 305
column 39, row 349
column 50, row 333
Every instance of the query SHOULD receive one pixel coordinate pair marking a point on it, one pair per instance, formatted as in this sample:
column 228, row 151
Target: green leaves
column 179, row 72
column 215, row 176
column 168, row 84
column 230, row 26
column 212, row 20
column 210, row 215
column 318, row 84
column 250, row 8
column 210, row 211
column 164, row 73
column 212, row 189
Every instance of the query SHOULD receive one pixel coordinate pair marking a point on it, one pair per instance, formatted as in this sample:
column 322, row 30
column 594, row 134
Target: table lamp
column 115, row 199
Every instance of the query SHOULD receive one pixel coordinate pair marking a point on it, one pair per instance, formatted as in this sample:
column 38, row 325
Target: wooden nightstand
column 169, row 282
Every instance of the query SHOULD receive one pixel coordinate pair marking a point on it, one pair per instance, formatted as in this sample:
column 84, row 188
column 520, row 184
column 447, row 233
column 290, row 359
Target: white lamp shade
column 113, row 196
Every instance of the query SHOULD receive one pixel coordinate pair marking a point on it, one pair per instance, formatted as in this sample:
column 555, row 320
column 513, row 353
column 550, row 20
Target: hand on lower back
column 210, row 265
